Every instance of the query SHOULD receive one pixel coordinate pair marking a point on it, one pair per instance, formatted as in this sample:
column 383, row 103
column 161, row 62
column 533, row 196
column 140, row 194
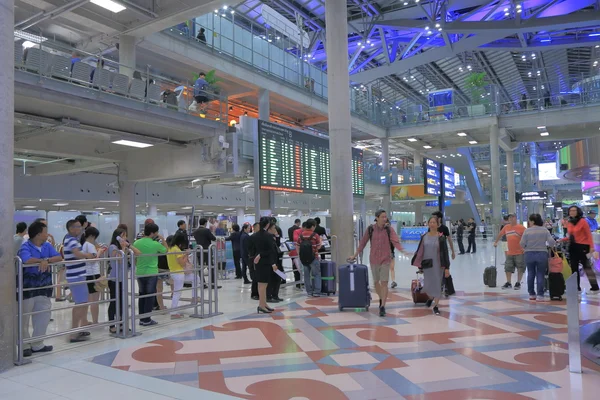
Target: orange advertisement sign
column 413, row 192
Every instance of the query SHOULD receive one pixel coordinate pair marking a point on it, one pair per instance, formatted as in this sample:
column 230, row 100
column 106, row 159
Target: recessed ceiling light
column 472, row 141
column 427, row 146
column 186, row 208
column 461, row 134
column 29, row 206
column 541, row 127
column 109, row 5
column 60, row 204
column 132, row 143
column 99, row 208
column 544, row 134
column 412, row 139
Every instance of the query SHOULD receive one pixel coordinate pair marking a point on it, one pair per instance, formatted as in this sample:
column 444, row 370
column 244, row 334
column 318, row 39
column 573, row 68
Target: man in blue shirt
column 200, row 96
column 591, row 220
column 38, row 251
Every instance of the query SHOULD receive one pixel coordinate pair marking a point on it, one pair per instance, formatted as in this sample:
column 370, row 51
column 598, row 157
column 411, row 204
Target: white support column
column 385, row 164
column 7, row 112
column 127, row 205
column 127, row 58
column 496, row 180
column 510, row 177
column 418, row 213
column 340, row 143
column 264, row 105
column 240, row 213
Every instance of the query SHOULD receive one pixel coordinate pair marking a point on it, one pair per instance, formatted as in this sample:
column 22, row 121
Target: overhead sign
column 534, row 196
column 433, row 180
column 449, row 185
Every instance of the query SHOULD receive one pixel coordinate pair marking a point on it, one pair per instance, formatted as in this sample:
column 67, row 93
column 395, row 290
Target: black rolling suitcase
column 490, row 273
column 354, row 287
column 328, row 285
column 556, row 285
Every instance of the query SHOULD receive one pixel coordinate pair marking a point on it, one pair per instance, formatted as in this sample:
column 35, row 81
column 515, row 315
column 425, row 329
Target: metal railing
column 22, row 316
column 204, row 305
column 52, row 60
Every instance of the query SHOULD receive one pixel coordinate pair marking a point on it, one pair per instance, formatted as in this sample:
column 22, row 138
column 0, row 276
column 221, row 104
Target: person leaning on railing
column 37, row 250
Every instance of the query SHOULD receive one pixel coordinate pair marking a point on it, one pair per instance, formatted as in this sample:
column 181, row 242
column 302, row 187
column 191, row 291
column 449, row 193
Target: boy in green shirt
column 146, row 264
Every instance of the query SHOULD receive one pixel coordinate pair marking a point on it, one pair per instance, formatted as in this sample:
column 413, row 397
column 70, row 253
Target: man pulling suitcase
column 380, row 256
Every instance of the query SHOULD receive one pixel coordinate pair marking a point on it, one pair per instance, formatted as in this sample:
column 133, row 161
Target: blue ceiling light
column 594, row 34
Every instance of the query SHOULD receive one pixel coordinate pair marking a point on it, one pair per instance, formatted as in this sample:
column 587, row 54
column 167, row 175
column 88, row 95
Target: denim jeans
column 537, row 265
column 146, row 285
column 312, row 273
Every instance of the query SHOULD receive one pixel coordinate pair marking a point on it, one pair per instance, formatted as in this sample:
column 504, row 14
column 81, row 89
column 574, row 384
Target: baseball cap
column 591, row 212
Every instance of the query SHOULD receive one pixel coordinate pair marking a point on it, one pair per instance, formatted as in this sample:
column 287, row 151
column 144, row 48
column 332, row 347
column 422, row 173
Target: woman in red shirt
column 581, row 245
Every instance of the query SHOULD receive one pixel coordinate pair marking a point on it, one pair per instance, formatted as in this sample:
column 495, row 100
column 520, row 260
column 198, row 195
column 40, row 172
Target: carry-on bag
column 555, row 262
column 556, row 285
column 354, row 287
column 416, row 289
column 328, row 284
column 449, row 286
column 490, row 273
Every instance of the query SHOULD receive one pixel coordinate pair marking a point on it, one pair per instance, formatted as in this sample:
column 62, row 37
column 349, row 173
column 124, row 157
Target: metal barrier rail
column 125, row 296
column 21, row 340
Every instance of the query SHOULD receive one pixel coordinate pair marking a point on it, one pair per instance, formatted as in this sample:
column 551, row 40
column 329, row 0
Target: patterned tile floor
column 493, row 345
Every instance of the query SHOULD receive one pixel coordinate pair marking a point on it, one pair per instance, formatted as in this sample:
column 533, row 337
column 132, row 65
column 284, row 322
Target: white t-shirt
column 92, row 267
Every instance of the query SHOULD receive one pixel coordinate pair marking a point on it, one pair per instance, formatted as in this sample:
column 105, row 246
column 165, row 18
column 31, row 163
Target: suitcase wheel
column 367, row 308
column 341, row 308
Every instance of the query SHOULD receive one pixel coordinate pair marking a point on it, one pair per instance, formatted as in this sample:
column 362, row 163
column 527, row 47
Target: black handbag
column 426, row 264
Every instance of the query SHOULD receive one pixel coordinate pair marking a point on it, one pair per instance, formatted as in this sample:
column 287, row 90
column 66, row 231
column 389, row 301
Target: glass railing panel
column 53, row 60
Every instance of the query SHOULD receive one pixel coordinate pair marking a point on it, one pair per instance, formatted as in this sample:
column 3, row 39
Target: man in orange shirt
column 514, row 255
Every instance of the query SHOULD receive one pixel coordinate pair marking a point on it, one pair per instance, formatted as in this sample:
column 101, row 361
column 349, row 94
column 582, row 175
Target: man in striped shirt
column 76, row 279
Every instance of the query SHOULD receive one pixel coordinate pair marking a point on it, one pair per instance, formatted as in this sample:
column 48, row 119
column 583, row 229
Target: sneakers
column 428, row 303
column 532, row 297
column 149, row 323
column 382, row 311
column 436, row 310
column 542, row 299
column 507, row 285
column 517, row 285
column 394, row 285
column 593, row 292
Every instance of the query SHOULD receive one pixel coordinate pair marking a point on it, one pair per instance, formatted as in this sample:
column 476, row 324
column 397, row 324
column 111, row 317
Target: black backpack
column 305, row 250
column 387, row 229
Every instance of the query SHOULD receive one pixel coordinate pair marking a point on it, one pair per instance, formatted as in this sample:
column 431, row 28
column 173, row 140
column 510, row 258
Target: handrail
column 42, row 68
column 126, row 314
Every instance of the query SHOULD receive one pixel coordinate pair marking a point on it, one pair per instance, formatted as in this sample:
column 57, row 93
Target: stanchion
column 132, row 294
column 573, row 325
column 121, row 307
column 196, row 271
column 335, row 245
column 20, row 345
column 212, row 284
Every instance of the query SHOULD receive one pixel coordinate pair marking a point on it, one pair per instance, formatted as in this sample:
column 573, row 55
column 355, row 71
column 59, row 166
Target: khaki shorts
column 381, row 273
column 515, row 262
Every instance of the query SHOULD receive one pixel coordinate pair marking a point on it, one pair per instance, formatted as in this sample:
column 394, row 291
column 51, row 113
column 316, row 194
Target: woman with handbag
column 433, row 259
column 179, row 266
column 535, row 242
column 581, row 248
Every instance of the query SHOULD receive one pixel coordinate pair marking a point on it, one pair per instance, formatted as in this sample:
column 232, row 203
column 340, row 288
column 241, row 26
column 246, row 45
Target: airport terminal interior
column 300, row 199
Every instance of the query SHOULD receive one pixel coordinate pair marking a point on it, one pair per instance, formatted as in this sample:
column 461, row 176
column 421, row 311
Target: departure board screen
column 298, row 162
column 433, row 181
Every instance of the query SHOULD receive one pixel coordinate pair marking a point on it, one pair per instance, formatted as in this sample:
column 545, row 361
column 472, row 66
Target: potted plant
column 476, row 82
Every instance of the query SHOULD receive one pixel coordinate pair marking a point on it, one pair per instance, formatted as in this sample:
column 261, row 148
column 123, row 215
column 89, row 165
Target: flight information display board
column 449, row 188
column 298, row 162
column 433, row 180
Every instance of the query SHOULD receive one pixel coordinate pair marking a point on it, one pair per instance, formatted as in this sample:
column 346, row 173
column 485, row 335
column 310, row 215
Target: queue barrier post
column 212, row 283
column 132, row 290
column 20, row 345
column 196, row 272
column 335, row 256
column 122, row 305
